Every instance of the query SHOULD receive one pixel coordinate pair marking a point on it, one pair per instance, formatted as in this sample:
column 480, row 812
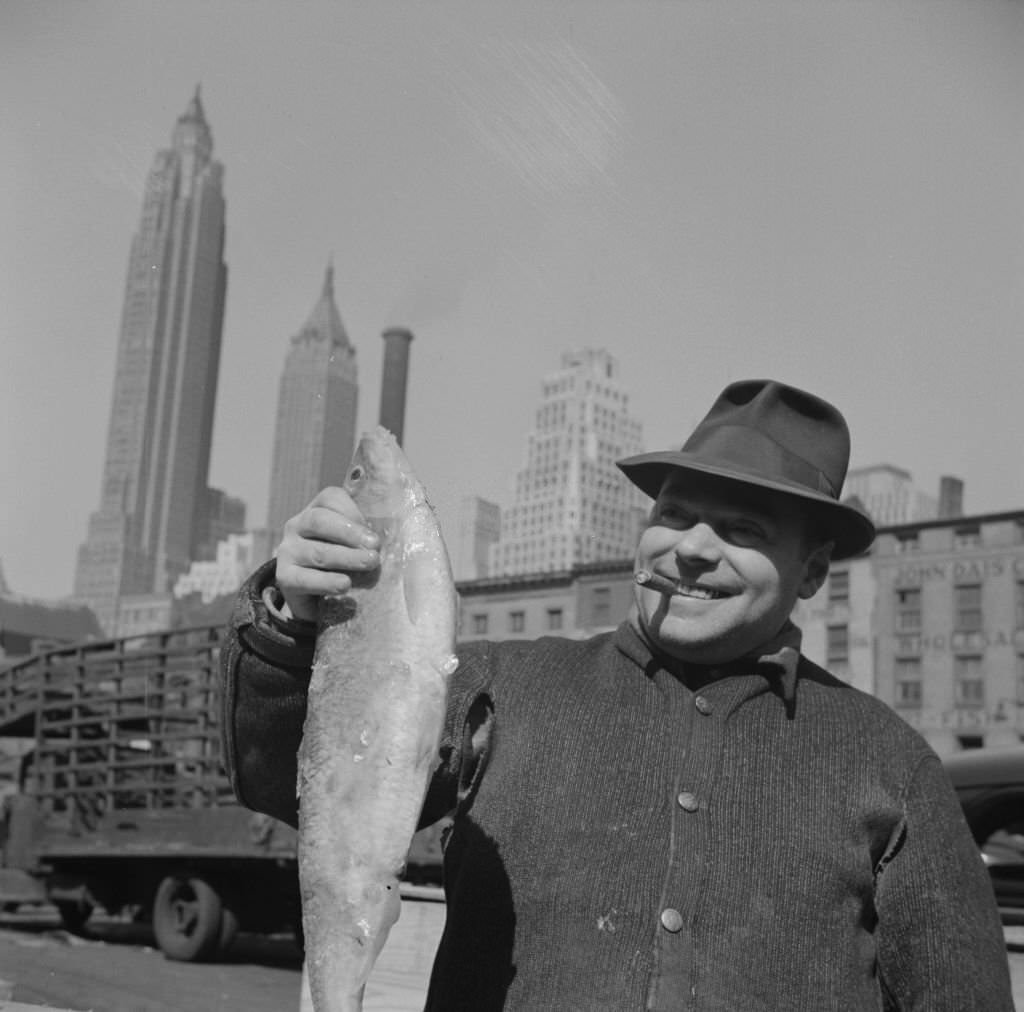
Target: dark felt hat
column 768, row 434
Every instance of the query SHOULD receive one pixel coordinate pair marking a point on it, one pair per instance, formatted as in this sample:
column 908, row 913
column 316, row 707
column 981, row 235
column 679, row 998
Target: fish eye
column 356, row 473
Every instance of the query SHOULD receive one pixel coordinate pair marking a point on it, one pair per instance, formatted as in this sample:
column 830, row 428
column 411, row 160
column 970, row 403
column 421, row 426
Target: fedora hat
column 774, row 436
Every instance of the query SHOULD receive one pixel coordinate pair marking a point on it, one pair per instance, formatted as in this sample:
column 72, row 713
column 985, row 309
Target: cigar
column 655, row 582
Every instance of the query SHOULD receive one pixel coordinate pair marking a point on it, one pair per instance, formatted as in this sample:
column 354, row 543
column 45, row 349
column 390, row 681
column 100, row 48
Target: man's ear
column 815, row 569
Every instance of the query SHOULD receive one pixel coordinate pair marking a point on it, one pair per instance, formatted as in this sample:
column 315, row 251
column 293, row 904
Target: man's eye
column 672, row 514
column 744, row 533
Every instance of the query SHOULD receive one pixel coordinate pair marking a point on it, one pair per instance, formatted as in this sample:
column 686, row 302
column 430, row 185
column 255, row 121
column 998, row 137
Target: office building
column 225, row 515
column 890, row 496
column 478, row 527
column 575, row 603
column 316, row 412
column 153, row 499
column 572, row 505
column 233, row 561
column 931, row 621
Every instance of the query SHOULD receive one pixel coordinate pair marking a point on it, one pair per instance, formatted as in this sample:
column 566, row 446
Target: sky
column 826, row 193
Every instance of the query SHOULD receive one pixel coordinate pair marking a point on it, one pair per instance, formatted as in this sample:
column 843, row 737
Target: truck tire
column 188, row 918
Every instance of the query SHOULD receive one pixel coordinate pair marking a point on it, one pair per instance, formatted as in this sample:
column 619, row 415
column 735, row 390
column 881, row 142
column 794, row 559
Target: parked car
column 990, row 786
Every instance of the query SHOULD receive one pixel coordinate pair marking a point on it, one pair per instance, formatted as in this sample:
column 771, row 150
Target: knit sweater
column 635, row 833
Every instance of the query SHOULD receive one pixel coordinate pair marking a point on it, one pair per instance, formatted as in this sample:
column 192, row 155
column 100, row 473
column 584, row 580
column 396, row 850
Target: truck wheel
column 188, row 917
column 74, row 914
column 228, row 929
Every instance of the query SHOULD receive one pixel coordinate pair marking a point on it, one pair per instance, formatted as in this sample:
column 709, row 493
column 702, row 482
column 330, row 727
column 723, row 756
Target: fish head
column 380, row 479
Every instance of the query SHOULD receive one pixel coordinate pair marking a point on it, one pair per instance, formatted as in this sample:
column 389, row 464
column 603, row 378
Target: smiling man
column 730, row 565
column 685, row 813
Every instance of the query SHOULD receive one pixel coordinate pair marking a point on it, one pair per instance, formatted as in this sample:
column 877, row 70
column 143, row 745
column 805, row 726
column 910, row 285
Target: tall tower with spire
column 316, row 411
column 154, row 496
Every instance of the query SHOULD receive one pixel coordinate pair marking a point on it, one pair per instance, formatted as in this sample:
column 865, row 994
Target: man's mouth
column 680, row 588
column 699, row 592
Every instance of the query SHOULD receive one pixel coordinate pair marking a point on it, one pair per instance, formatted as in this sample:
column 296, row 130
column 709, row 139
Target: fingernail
column 371, row 540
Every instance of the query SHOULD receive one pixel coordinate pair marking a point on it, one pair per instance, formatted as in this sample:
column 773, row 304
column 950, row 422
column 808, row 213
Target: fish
column 385, row 652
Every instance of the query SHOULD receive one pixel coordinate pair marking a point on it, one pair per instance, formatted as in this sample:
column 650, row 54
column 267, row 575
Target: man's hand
column 323, row 544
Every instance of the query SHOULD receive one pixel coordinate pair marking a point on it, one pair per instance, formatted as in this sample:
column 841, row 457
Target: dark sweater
column 634, row 833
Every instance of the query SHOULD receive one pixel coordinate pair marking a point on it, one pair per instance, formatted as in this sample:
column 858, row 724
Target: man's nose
column 698, row 544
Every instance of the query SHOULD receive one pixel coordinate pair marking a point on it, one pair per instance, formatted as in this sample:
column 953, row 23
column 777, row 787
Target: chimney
column 951, row 497
column 393, row 379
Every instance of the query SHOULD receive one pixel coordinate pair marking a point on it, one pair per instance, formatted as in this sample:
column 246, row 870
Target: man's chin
column 690, row 647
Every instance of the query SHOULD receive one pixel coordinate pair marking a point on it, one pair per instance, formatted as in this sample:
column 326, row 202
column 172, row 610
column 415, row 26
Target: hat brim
column 850, row 528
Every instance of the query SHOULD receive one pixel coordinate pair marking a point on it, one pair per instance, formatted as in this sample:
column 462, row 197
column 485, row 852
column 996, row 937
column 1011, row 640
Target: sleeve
column 265, row 667
column 465, row 744
column 265, row 670
column 940, row 939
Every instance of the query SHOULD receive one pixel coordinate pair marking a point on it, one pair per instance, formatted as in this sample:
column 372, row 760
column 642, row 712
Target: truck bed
column 125, row 750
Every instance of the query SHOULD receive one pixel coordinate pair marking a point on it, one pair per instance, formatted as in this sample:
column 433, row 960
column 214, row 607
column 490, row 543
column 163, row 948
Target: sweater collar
column 777, row 660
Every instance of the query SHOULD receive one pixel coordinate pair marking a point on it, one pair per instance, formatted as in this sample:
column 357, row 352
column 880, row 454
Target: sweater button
column 671, row 919
column 687, row 801
column 703, row 705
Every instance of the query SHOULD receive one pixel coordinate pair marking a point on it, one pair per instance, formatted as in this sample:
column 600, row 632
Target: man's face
column 740, row 558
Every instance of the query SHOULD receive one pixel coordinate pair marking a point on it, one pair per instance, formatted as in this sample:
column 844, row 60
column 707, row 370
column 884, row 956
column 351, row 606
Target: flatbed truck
column 122, row 802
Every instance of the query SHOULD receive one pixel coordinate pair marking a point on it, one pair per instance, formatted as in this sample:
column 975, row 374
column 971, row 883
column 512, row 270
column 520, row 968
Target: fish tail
column 342, row 945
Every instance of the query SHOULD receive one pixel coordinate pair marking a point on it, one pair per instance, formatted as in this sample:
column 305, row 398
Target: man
column 684, row 813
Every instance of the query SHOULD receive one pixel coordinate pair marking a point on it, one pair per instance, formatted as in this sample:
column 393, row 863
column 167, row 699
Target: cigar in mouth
column 655, row 582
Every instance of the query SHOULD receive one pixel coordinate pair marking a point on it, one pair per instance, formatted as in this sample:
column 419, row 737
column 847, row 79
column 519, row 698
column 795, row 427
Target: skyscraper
column 316, row 412
column 478, row 527
column 571, row 503
column 154, row 492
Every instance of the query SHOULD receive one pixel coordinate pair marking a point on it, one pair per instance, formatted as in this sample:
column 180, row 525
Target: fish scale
column 375, row 712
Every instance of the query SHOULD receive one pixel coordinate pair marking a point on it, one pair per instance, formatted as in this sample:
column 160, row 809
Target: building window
column 479, row 625
column 908, row 693
column 967, row 537
column 908, row 609
column 516, row 621
column 968, row 681
column 967, row 605
column 837, row 649
column 839, row 586
column 601, row 606
column 907, row 542
column 970, row 740
column 554, row 619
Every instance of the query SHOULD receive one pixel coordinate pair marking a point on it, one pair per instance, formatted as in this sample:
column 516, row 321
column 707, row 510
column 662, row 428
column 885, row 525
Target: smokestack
column 393, row 379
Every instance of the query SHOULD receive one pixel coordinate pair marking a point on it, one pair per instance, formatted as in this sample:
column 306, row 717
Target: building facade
column 571, row 505
column 151, row 517
column 225, row 515
column 890, row 495
column 235, row 560
column 949, row 624
column 477, row 528
column 575, row 603
column 932, row 622
column 315, row 432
